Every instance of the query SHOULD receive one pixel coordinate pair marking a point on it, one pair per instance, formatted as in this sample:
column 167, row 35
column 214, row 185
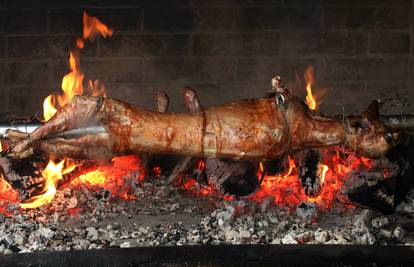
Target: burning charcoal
column 387, row 233
column 289, row 239
column 46, row 233
column 244, row 234
column 308, row 171
column 366, row 239
column 398, row 232
column 175, row 207
column 380, row 222
column 407, row 206
column 266, row 203
column 304, row 237
column 92, row 233
column 337, row 239
column 321, row 236
column 67, row 192
column 225, row 215
column 362, row 218
column 232, row 177
column 307, row 212
column 72, row 203
column 230, row 234
column 126, row 244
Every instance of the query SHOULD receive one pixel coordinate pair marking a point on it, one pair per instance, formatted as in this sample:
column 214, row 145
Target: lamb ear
column 372, row 112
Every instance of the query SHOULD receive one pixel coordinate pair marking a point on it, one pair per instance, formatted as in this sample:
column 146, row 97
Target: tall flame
column 72, row 83
column 52, row 173
column 92, row 27
column 310, row 99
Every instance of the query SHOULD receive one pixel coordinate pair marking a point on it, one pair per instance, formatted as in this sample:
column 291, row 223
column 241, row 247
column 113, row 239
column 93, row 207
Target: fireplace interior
column 118, row 145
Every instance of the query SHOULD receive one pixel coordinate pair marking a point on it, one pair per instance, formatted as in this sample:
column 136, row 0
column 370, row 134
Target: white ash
column 164, row 215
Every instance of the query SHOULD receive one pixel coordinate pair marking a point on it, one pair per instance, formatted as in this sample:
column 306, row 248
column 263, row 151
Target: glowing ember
column 334, row 172
column 310, row 99
column 157, row 171
column 116, row 177
column 7, row 195
column 52, row 174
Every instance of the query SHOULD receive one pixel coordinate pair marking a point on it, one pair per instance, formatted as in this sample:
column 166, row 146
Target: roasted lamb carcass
column 257, row 130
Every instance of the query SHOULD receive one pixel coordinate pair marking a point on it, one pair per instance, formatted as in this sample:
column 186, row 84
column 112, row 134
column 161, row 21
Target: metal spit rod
column 29, row 128
column 403, row 122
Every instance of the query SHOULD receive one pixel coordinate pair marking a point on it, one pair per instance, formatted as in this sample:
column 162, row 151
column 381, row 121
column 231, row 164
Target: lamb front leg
column 78, row 112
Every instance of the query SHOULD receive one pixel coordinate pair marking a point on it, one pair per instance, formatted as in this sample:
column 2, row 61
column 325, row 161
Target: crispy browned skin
column 257, row 129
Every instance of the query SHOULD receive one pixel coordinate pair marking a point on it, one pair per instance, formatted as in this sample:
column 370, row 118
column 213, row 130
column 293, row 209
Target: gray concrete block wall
column 227, row 50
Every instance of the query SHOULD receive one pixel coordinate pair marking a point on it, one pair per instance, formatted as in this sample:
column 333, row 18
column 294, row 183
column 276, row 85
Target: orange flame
column 114, row 177
column 52, row 173
column 310, row 99
column 92, row 27
column 322, row 170
column 292, row 165
column 49, row 107
column 79, row 43
column 72, row 83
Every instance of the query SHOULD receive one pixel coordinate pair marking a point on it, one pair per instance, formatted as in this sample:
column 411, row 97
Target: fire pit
column 270, row 173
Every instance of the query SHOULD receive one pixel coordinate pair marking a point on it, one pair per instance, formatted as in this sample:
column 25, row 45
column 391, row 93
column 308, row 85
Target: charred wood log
column 309, row 171
column 233, row 177
column 381, row 190
column 22, row 175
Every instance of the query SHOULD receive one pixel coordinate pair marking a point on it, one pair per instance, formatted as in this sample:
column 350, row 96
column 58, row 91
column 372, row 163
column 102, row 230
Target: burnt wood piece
column 233, row 177
column 308, row 171
column 387, row 191
column 22, row 175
